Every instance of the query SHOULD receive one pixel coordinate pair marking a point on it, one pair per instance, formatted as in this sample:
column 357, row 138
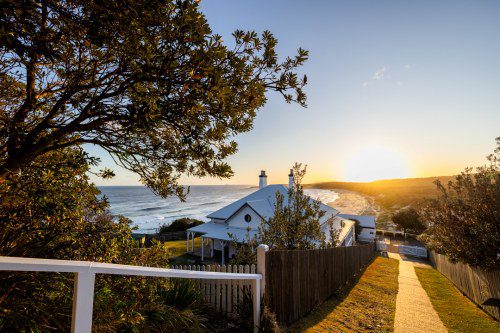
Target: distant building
column 367, row 224
column 244, row 216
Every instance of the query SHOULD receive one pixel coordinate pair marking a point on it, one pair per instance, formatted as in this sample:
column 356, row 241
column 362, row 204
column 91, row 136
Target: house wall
column 217, row 247
column 238, row 219
column 367, row 235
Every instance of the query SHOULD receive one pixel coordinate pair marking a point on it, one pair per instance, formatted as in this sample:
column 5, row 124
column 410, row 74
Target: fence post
column 261, row 266
column 259, row 286
column 256, row 305
column 83, row 299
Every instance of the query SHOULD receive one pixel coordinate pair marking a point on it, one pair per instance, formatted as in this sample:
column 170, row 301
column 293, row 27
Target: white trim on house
column 243, row 217
column 367, row 224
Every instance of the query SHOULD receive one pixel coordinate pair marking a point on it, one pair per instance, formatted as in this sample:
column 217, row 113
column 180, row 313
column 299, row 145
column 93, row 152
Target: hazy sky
column 396, row 89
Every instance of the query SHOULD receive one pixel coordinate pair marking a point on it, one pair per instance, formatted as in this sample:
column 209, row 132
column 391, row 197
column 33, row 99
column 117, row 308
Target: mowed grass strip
column 455, row 310
column 368, row 307
column 178, row 247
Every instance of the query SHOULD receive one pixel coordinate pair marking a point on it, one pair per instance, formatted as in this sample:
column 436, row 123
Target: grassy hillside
column 391, row 193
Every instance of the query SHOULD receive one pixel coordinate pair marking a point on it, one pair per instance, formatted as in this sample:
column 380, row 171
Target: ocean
column 149, row 211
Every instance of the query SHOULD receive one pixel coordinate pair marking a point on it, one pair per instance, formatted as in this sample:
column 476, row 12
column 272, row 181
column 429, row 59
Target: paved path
column 414, row 311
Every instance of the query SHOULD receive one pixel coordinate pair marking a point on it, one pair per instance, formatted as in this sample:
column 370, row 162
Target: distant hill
column 390, row 193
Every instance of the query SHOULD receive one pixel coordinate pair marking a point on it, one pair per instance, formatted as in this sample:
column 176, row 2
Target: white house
column 367, row 224
column 234, row 221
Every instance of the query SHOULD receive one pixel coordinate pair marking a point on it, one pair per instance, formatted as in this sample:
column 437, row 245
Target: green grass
column 456, row 311
column 178, row 252
column 368, row 307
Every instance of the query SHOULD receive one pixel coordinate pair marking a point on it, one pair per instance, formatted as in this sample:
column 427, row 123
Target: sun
column 374, row 163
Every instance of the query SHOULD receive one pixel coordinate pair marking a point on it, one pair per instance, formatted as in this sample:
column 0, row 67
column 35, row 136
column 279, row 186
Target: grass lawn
column 368, row 307
column 456, row 311
column 178, row 250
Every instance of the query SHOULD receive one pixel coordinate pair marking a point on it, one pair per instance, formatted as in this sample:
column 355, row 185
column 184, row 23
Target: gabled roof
column 223, row 232
column 365, row 221
column 262, row 202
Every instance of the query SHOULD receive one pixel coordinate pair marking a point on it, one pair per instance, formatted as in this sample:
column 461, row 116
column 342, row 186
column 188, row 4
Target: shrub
column 181, row 224
column 464, row 219
column 51, row 210
column 408, row 220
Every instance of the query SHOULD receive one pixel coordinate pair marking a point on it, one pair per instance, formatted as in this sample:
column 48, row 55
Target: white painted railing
column 414, row 251
column 85, row 272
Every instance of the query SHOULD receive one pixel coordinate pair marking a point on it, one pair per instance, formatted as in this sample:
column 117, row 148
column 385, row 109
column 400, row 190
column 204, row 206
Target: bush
column 464, row 219
column 52, row 211
column 408, row 220
column 181, row 224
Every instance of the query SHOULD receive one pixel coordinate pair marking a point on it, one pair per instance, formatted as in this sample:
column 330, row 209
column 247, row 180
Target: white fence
column 414, row 251
column 225, row 294
column 85, row 272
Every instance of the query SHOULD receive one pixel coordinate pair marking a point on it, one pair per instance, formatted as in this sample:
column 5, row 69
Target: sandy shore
column 352, row 203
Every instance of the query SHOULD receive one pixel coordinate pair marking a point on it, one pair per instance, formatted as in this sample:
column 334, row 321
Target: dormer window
column 248, row 218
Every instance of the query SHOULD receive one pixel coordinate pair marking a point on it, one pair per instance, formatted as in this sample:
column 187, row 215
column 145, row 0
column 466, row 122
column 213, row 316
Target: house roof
column 262, row 202
column 223, row 231
column 365, row 221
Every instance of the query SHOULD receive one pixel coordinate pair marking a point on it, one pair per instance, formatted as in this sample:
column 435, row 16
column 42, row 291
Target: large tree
column 464, row 221
column 147, row 80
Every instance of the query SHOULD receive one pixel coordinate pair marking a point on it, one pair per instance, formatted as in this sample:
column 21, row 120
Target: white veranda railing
column 85, row 272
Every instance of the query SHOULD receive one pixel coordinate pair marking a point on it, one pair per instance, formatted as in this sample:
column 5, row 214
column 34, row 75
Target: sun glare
column 374, row 163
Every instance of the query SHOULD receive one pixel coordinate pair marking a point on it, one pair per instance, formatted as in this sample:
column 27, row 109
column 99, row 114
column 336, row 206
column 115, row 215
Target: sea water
column 149, row 211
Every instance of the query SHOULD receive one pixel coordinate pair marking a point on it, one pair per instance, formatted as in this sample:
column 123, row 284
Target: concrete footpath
column 414, row 311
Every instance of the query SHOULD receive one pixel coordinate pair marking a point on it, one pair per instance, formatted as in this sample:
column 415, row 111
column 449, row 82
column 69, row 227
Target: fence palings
column 223, row 295
column 298, row 280
column 482, row 287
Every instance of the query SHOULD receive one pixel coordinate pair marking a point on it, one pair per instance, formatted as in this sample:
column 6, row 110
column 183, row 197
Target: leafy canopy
column 408, row 220
column 146, row 80
column 464, row 221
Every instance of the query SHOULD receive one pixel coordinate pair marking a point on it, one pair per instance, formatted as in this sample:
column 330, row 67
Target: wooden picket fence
column 482, row 287
column 298, row 280
column 223, row 295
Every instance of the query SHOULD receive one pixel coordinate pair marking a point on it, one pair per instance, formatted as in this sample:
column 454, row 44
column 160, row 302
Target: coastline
column 350, row 202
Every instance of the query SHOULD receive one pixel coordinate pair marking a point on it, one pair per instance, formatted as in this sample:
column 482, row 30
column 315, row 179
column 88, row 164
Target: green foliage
column 464, row 220
column 268, row 322
column 296, row 220
column 146, row 80
column 244, row 310
column 408, row 220
column 50, row 210
column 181, row 224
column 295, row 225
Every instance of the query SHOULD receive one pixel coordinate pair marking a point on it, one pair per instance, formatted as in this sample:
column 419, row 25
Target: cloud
column 399, row 83
column 408, row 67
column 379, row 74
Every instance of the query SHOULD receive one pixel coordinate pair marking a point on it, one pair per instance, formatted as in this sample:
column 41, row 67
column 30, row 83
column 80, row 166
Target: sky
column 395, row 89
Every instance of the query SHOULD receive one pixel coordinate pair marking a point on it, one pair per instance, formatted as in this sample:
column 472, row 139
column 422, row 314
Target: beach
column 349, row 202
